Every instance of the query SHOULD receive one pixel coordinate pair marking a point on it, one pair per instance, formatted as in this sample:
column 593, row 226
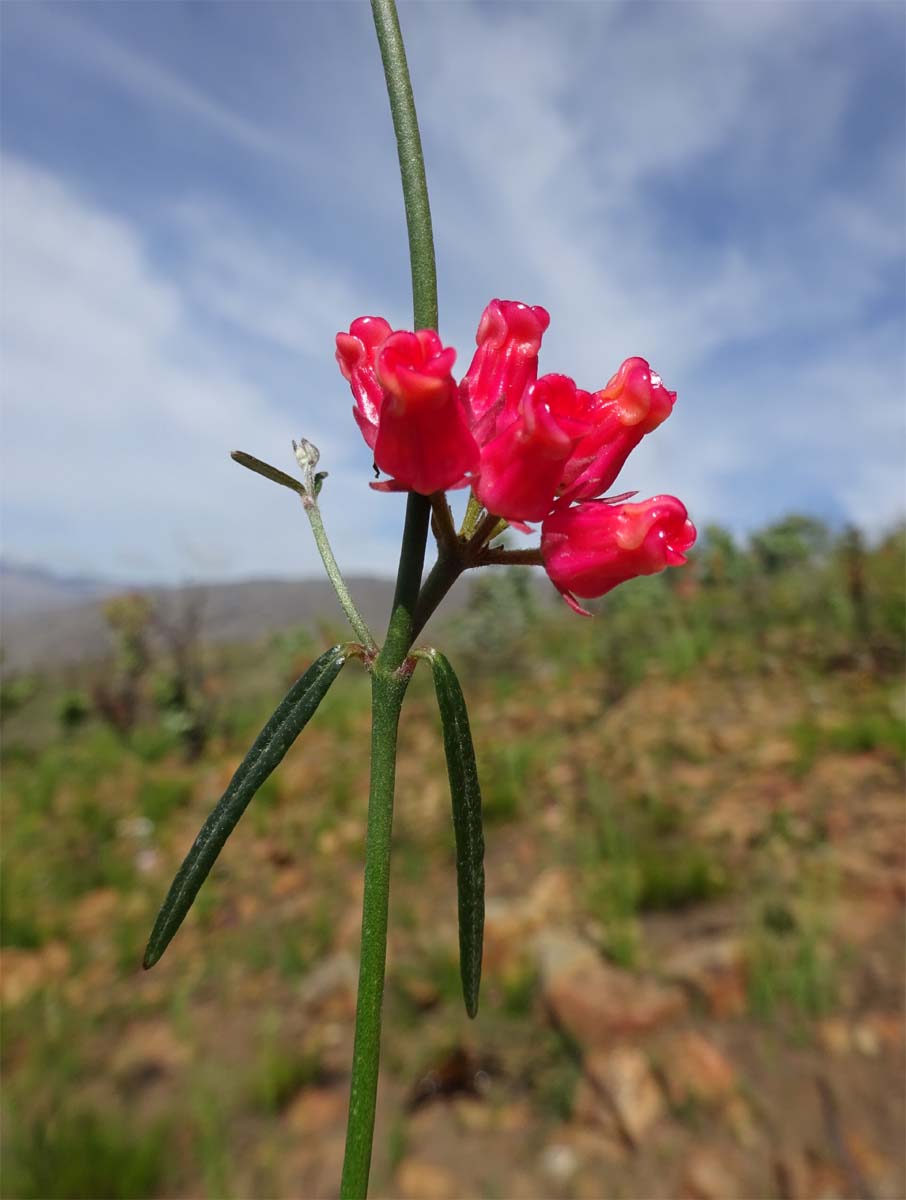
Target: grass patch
column 519, row 988
column 791, row 966
column 507, row 768
column 862, row 733
column 76, row 1155
column 279, row 1076
column 678, row 877
column 160, row 797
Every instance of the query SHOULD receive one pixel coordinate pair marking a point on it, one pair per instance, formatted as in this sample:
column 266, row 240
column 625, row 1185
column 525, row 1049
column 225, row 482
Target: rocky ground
column 693, row 982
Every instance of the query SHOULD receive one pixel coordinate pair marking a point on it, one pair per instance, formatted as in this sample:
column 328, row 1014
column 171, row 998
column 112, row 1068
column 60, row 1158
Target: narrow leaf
column 286, row 723
column 466, row 796
column 262, row 468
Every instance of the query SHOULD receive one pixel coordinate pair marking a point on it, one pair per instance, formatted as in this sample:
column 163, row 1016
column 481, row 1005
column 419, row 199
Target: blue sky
column 196, row 197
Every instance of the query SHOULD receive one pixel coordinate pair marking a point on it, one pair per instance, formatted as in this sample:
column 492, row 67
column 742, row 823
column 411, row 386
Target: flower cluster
column 532, row 449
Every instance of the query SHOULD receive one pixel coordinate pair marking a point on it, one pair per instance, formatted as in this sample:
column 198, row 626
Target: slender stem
column 388, row 682
column 408, row 582
column 512, row 558
column 447, row 537
column 353, row 616
column 412, row 163
column 387, row 699
column 440, row 579
column 307, row 492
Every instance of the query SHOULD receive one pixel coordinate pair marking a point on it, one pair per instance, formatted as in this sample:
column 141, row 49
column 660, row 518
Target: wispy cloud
column 89, row 49
column 120, row 411
column 582, row 130
column 262, row 283
column 718, row 187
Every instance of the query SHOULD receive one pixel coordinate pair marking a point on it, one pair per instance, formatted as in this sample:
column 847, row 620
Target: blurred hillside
column 51, row 620
column 694, row 958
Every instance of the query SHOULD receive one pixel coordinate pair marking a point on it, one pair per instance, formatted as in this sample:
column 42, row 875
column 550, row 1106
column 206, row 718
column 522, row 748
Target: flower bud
column 590, row 548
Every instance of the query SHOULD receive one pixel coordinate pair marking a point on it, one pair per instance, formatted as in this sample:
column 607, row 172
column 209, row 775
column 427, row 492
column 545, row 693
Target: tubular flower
column 357, row 354
column 590, row 548
column 634, row 403
column 505, row 363
column 408, row 406
column 522, row 466
column 532, row 449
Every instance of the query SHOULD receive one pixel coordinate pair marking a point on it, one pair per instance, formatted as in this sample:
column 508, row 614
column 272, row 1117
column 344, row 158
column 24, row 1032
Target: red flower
column 357, row 354
column 408, row 406
column 590, row 548
column 505, row 363
column 522, row 466
column 634, row 403
column 531, row 448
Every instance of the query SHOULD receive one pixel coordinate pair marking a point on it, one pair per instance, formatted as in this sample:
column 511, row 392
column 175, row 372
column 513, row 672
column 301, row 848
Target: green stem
column 353, row 616
column 512, row 558
column 444, row 529
column 387, row 699
column 389, row 683
column 412, row 163
column 440, row 579
column 307, row 492
column 401, row 631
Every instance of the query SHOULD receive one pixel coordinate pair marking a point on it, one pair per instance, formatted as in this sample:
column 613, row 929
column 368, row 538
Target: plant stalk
column 387, row 700
column 389, row 682
column 334, row 574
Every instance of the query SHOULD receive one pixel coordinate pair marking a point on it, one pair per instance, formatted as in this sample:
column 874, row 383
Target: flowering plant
column 531, row 450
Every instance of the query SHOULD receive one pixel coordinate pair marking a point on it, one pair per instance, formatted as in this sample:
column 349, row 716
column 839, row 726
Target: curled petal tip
column 575, row 605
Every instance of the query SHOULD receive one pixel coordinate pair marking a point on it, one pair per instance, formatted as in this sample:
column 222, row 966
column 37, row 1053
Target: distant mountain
column 48, row 620
column 36, row 590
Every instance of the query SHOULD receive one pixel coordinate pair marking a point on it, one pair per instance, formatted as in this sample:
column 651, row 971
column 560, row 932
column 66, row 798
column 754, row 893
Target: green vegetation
column 79, row 1155
column 721, row 740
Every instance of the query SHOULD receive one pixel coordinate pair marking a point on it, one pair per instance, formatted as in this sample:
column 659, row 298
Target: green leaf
column 288, row 720
column 274, row 474
column 466, row 795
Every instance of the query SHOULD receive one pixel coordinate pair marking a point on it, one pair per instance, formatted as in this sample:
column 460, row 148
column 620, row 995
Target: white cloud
column 557, row 130
column 86, row 46
column 261, row 283
column 554, row 134
column 120, row 411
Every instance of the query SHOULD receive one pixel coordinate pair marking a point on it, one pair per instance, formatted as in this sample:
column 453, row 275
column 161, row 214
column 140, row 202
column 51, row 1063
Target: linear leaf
column 466, row 796
column 288, row 720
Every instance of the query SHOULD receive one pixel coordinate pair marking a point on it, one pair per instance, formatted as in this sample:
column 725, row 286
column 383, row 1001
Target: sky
column 197, row 196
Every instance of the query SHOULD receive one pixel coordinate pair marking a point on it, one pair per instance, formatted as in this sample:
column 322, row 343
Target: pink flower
column 522, row 466
column 408, row 406
column 634, row 403
column 590, row 548
column 532, row 449
column 357, row 354
column 505, row 363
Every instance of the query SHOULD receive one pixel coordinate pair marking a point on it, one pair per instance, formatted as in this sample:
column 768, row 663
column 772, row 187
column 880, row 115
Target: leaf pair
column 288, row 720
